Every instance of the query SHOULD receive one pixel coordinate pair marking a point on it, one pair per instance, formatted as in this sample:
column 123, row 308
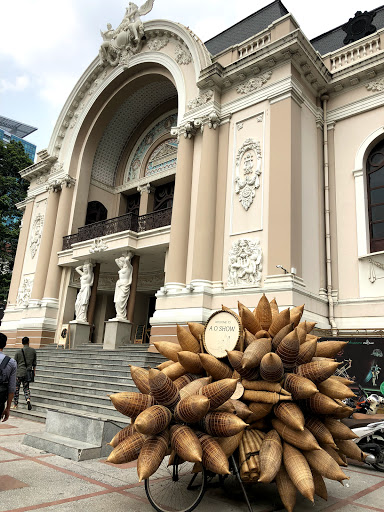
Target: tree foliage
column 13, row 189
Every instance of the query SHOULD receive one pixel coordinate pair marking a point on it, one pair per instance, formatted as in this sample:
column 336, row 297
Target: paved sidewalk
column 33, row 480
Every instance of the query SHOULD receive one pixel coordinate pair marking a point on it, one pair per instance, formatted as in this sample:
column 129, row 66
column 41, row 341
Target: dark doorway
column 96, row 212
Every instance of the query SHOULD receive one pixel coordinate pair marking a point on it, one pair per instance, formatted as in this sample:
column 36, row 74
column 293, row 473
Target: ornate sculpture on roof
column 119, row 45
column 359, row 26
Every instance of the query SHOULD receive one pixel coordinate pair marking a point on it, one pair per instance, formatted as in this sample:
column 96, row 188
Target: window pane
column 376, row 179
column 376, row 159
column 377, row 196
column 378, row 230
column 377, row 212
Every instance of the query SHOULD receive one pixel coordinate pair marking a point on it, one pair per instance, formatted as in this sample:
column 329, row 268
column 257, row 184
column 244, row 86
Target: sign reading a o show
column 222, row 333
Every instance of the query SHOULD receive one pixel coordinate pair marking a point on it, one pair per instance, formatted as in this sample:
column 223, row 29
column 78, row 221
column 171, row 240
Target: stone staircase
column 78, row 381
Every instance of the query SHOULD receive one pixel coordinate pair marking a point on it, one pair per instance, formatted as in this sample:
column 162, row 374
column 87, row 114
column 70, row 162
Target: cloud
column 20, row 83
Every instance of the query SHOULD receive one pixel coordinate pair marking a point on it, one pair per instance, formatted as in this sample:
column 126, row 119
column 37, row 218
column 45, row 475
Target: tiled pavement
column 33, row 480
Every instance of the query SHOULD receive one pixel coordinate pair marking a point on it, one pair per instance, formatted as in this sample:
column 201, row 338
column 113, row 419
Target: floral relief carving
column 25, row 292
column 36, row 232
column 98, row 245
column 157, row 44
column 248, row 171
column 254, row 84
column 200, row 100
column 245, row 263
column 376, row 85
column 182, row 55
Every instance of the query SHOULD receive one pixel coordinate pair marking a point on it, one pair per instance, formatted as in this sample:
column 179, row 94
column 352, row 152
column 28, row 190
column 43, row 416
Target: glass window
column 164, row 157
column 375, row 184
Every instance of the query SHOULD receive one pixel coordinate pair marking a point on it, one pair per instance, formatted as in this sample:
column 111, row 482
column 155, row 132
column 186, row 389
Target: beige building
column 253, row 163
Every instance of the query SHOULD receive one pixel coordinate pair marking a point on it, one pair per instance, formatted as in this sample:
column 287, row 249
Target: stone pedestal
column 78, row 333
column 117, row 334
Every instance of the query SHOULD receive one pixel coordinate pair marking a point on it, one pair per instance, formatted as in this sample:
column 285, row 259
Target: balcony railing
column 129, row 221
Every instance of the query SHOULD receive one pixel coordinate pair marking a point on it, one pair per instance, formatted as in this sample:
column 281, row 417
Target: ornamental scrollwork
column 372, row 274
column 25, row 291
column 200, row 100
column 376, row 85
column 245, row 263
column 250, row 169
column 254, row 84
column 36, row 232
column 182, row 55
column 156, row 45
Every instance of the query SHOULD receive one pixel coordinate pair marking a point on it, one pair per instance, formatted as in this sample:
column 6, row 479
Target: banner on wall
column 363, row 361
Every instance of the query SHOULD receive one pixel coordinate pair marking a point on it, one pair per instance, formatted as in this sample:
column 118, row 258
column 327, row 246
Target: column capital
column 147, row 187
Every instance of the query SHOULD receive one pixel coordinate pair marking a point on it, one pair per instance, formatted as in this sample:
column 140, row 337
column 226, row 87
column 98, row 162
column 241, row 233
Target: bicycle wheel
column 175, row 488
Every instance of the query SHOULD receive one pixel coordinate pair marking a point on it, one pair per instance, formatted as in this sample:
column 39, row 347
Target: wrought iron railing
column 129, row 221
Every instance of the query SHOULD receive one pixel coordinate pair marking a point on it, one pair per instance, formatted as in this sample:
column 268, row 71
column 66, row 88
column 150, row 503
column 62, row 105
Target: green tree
column 13, row 189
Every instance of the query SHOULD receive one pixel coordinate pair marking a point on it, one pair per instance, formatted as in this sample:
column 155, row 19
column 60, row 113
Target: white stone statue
column 245, row 263
column 123, row 285
column 82, row 299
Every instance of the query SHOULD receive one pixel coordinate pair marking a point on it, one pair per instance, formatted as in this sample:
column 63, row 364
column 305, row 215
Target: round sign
column 222, row 333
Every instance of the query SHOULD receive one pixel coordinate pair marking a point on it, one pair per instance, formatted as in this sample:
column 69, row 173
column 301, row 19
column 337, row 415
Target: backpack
column 3, row 378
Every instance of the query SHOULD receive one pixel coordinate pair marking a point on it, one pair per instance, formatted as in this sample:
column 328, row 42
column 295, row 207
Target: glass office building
column 14, row 130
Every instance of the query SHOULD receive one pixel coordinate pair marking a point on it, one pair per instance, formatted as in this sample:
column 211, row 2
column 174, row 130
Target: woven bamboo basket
column 168, row 349
column 229, row 310
column 193, row 387
column 274, row 308
column 299, row 471
column 128, row 450
column 123, row 434
column 219, row 392
column 303, row 440
column 320, row 487
column 255, row 352
column 163, row 389
column 287, row 489
column 271, row 453
column 288, row 350
column 330, row 348
column 290, row 414
column 241, row 409
column 284, row 331
column 153, row 420
column 130, row 403
column 186, row 443
column 343, row 412
column 214, row 459
column 235, row 358
column 342, row 380
column 299, row 387
column 308, row 326
column 259, row 410
column 280, row 320
column 226, row 407
column 249, row 320
column 248, row 338
column 262, row 334
column 301, row 334
column 271, row 368
column 334, row 454
column 264, row 313
column 295, row 315
column 321, row 404
column 306, row 352
column 216, row 368
column 230, row 444
column 317, row 371
column 192, row 409
column 196, row 329
column 262, row 424
column 322, row 462
column 140, row 378
column 184, row 380
column 263, row 385
column 187, row 341
column 335, row 389
column 164, row 365
column 222, row 424
column 265, row 397
column 152, row 453
column 190, row 361
column 319, row 430
column 339, row 430
column 174, row 371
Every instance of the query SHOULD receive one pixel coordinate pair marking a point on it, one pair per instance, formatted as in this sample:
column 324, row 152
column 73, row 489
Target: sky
column 46, row 45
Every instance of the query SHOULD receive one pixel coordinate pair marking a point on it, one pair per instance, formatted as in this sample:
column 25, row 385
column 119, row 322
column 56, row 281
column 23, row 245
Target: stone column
column 178, row 245
column 52, row 285
column 92, row 299
column 132, row 293
column 21, row 250
column 204, row 236
column 46, row 244
column 146, row 199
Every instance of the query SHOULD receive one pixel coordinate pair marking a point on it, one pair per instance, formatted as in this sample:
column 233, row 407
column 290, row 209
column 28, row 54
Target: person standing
column 25, row 359
column 8, row 369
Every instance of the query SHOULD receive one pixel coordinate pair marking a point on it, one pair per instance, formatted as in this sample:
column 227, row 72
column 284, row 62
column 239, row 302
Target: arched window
column 163, row 158
column 96, row 211
column 375, row 184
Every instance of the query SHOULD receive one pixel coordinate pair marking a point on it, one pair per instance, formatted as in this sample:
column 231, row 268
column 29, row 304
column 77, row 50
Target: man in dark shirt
column 7, row 380
column 25, row 358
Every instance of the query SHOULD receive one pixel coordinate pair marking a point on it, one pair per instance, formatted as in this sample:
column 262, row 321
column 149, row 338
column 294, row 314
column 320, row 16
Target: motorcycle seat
column 362, row 420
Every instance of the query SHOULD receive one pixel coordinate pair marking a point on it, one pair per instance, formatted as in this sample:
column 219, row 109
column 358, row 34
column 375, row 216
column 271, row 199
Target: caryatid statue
column 123, row 285
column 82, row 299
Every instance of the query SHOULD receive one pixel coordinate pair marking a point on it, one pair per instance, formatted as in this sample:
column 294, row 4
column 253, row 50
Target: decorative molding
column 245, row 263
column 246, row 188
column 201, row 100
column 25, row 291
column 182, row 55
column 157, row 44
column 376, row 85
column 36, row 232
column 98, row 245
column 254, row 84
column 372, row 274
column 67, row 181
column 146, row 188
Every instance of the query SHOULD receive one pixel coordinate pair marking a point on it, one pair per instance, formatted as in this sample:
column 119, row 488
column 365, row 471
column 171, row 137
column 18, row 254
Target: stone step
column 63, row 446
column 81, row 385
column 69, row 369
column 116, row 378
column 134, row 360
column 34, row 415
column 63, row 394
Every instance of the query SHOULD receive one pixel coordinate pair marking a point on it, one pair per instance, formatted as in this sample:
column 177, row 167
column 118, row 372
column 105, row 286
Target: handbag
column 30, row 372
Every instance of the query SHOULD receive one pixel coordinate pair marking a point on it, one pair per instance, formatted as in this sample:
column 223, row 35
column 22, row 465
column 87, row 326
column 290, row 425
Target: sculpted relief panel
column 245, row 263
column 248, row 171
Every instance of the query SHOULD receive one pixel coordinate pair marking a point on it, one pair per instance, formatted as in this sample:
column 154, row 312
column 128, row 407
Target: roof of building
column 246, row 28
column 15, row 127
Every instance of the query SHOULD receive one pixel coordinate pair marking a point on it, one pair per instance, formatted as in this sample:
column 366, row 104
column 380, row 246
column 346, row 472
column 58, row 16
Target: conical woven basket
column 343, row 412
column 174, row 371
column 249, row 320
column 296, row 314
column 264, row 313
column 303, row 440
column 263, row 385
column 222, row 424
column 320, row 487
column 164, row 365
column 187, row 341
column 216, row 368
column 271, row 453
column 306, row 352
column 339, row 430
column 123, row 434
column 226, row 407
column 192, row 409
column 299, row 387
column 153, row 420
column 235, row 358
column 255, row 352
column 193, row 387
column 301, row 334
column 342, row 380
column 168, row 349
column 308, row 326
column 262, row 334
column 290, row 414
column 259, row 410
column 140, row 378
column 274, row 308
column 130, row 403
column 186, row 444
column 287, row 489
column 219, row 392
column 265, row 397
column 190, row 361
column 335, row 389
column 279, row 322
column 214, row 459
column 184, row 380
column 196, row 329
column 319, row 430
column 330, row 348
column 299, row 471
column 271, row 367
column 163, row 389
column 322, row 462
column 230, row 444
column 288, row 350
column 284, row 331
column 321, row 404
column 317, row 371
column 152, row 453
column 241, row 409
column 334, row 454
column 128, row 450
column 248, row 338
